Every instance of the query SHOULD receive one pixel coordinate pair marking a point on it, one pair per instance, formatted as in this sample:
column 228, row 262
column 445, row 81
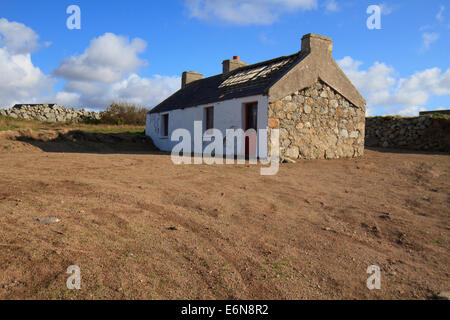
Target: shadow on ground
column 78, row 141
column 405, row 151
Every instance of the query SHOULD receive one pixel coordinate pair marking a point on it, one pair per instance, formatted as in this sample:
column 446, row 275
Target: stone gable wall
column 49, row 113
column 317, row 123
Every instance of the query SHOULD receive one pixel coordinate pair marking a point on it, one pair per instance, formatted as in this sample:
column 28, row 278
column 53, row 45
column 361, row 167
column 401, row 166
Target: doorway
column 251, row 122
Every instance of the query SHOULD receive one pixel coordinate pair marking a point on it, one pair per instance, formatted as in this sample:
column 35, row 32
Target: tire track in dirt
column 249, row 291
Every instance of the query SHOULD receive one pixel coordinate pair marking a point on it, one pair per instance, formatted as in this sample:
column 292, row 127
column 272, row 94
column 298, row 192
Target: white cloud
column 107, row 72
column 20, row 80
column 133, row 89
column 69, row 99
column 245, row 12
column 440, row 14
column 427, row 81
column 428, row 38
column 17, row 38
column 109, row 58
column 410, row 111
column 331, row 6
column 387, row 93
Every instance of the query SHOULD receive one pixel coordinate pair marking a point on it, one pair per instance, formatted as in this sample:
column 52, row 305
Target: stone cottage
column 319, row 113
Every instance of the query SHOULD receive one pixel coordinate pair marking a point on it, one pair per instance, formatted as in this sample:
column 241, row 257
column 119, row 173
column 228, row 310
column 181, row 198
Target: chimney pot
column 236, row 58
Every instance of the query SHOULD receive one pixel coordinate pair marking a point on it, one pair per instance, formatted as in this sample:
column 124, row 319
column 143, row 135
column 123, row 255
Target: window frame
column 165, row 125
column 206, row 126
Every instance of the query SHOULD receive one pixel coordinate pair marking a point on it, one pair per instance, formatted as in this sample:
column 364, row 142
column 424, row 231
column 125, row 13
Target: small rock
column 307, row 109
column 48, row 220
column 293, row 153
column 443, row 295
column 375, row 229
column 401, row 238
column 287, row 160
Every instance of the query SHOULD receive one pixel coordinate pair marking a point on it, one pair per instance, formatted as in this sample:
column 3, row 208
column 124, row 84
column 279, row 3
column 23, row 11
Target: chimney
column 317, row 44
column 189, row 77
column 230, row 65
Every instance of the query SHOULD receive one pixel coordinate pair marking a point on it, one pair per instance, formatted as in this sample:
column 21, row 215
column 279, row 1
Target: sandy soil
column 140, row 227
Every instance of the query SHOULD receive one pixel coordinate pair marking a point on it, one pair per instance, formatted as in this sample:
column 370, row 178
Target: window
column 209, row 116
column 165, row 125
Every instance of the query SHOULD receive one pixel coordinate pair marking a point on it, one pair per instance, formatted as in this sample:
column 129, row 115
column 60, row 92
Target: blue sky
column 136, row 50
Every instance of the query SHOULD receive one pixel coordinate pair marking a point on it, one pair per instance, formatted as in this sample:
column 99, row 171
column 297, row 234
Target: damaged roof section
column 257, row 74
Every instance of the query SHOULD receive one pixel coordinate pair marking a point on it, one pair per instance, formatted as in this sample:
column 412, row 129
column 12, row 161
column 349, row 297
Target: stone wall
column 435, row 112
column 318, row 123
column 419, row 133
column 50, row 113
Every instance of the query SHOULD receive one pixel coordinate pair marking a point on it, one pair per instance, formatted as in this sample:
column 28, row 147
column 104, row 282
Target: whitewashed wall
column 227, row 115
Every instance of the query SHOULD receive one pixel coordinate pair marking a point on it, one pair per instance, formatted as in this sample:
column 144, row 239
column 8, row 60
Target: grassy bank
column 8, row 123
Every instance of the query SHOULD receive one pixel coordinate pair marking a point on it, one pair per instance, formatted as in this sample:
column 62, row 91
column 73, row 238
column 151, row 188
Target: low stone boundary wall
column 50, row 113
column 421, row 133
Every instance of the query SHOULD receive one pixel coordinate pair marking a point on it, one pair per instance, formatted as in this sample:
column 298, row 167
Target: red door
column 251, row 122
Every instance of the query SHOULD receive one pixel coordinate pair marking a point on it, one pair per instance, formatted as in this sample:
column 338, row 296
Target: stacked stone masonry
column 317, row 123
column 50, row 113
column 419, row 133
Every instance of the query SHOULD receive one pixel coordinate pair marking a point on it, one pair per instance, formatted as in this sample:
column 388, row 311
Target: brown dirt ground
column 140, row 227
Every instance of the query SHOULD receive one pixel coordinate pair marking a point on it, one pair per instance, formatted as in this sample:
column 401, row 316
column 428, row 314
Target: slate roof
column 246, row 81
